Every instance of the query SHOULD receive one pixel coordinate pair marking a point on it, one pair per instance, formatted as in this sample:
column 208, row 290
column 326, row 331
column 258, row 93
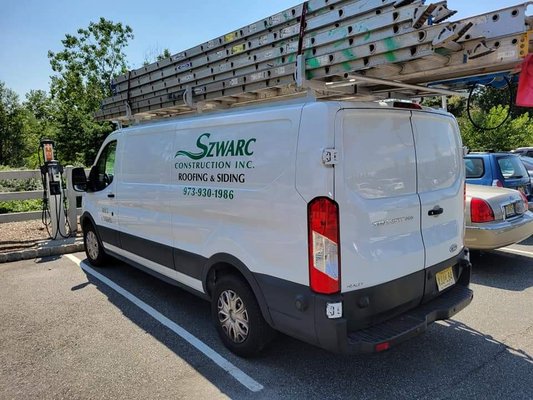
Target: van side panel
column 233, row 191
column 143, row 194
column 317, row 132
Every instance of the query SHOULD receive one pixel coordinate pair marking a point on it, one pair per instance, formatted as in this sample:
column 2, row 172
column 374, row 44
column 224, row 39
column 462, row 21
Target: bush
column 19, row 185
column 513, row 133
column 20, row 206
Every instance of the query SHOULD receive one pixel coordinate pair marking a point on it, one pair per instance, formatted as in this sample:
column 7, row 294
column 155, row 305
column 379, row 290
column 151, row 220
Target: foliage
column 154, row 55
column 486, row 98
column 20, row 206
column 514, row 133
column 11, row 122
column 20, row 185
column 95, row 55
column 84, row 69
column 456, row 105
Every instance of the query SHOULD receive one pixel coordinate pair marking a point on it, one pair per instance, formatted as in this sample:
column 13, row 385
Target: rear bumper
column 409, row 324
column 373, row 319
column 493, row 235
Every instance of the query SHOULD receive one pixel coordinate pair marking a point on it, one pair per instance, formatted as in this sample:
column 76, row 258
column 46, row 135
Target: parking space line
column 223, row 363
column 516, row 251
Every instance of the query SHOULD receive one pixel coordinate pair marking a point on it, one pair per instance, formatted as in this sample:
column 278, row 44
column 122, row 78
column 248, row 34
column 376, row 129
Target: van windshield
column 512, row 168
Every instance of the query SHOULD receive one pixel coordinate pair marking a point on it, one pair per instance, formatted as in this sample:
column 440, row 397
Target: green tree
column 486, row 97
column 11, row 128
column 456, row 104
column 84, row 69
column 155, row 54
column 39, row 123
column 515, row 132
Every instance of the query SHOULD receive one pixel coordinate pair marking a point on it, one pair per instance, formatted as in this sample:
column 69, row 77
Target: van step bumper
column 399, row 329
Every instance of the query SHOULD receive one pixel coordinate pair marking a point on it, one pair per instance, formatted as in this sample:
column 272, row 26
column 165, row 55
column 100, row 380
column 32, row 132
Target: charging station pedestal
column 52, row 171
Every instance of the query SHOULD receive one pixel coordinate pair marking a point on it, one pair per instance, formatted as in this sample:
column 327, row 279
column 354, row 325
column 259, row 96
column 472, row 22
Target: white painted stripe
column 516, row 251
column 226, row 365
column 171, row 273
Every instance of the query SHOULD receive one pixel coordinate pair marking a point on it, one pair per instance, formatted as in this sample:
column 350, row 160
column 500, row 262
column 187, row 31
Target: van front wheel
column 238, row 318
column 93, row 248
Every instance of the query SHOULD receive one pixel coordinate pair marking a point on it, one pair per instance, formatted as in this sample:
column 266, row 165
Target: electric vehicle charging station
column 51, row 173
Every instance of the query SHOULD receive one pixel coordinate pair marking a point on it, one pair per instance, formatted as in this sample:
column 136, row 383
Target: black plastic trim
column 153, row 251
column 158, row 275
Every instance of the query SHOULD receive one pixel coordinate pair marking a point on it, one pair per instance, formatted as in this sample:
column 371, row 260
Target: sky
column 29, row 28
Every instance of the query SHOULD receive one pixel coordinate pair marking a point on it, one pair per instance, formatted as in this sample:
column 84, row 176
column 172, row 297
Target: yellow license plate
column 445, row 278
column 509, row 210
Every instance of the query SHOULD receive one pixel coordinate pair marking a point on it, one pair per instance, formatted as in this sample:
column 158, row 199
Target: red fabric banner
column 524, row 96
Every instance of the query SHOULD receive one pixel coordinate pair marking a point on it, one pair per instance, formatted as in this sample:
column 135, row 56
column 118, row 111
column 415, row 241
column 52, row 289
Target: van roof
column 300, row 102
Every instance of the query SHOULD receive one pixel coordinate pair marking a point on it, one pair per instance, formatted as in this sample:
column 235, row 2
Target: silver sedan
column 495, row 217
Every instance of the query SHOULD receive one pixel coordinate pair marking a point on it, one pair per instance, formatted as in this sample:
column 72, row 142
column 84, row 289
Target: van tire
column 232, row 297
column 93, row 247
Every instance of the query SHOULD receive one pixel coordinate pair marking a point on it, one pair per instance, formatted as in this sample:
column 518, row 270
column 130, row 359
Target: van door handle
column 111, row 195
column 436, row 211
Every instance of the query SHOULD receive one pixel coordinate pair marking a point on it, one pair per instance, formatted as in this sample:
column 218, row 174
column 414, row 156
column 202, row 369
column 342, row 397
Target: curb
column 46, row 249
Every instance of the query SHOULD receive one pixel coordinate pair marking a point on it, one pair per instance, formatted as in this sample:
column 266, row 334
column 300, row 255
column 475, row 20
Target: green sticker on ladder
column 313, row 62
column 347, row 53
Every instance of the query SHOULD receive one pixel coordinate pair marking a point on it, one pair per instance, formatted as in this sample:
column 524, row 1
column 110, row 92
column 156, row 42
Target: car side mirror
column 79, row 180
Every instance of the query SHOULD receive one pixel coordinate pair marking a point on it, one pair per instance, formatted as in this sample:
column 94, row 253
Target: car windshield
column 474, row 168
column 511, row 167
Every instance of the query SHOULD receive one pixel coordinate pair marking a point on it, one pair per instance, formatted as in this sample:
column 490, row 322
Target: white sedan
column 495, row 217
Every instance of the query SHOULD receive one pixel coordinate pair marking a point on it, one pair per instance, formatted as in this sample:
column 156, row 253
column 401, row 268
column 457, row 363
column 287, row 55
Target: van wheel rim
column 233, row 316
column 91, row 242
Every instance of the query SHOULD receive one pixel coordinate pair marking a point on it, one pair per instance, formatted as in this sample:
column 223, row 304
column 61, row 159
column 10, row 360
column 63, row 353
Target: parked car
column 495, row 217
column 524, row 151
column 498, row 169
column 528, row 163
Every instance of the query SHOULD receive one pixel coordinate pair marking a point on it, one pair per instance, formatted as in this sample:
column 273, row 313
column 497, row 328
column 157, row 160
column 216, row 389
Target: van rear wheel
column 238, row 318
column 93, row 247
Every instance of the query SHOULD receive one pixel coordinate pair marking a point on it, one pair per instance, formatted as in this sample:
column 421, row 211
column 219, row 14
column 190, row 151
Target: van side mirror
column 79, row 180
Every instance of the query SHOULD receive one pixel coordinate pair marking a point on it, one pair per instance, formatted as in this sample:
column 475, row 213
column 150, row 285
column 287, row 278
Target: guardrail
column 71, row 195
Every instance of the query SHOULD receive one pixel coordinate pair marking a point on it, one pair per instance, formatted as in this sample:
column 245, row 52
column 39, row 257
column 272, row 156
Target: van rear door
column 376, row 189
column 440, row 184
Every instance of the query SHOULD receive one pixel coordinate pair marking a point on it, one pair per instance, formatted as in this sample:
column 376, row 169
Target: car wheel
column 93, row 247
column 238, row 318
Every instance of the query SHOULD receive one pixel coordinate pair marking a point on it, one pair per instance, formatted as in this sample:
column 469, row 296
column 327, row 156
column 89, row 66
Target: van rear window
column 474, row 167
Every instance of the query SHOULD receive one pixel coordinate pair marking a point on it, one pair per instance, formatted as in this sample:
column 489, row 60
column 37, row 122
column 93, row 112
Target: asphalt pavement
column 70, row 331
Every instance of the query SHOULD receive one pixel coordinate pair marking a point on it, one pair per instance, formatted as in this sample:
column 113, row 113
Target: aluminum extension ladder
column 335, row 49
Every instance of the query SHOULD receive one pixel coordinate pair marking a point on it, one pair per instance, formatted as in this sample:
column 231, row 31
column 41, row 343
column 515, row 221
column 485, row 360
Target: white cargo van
column 337, row 223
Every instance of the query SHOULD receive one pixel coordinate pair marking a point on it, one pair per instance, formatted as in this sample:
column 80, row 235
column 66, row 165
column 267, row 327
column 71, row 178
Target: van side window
column 104, row 169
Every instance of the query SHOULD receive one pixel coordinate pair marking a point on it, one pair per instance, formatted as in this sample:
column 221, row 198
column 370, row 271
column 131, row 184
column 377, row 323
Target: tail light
column 324, row 258
column 524, row 199
column 480, row 210
column 497, row 182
